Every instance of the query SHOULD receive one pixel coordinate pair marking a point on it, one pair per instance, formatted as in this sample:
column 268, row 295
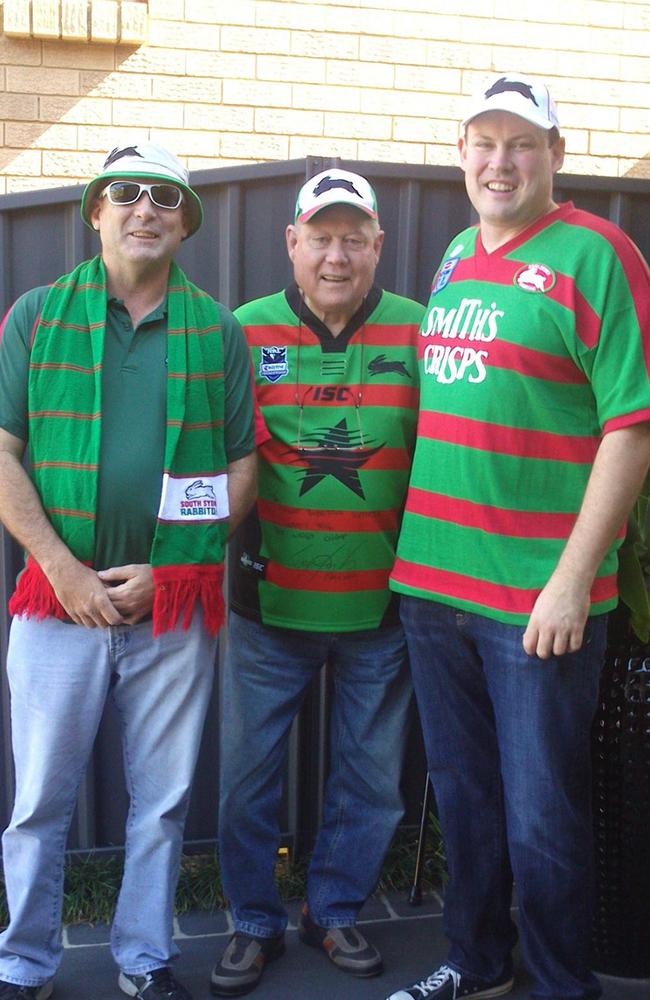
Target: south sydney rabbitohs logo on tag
column 273, row 363
column 188, row 498
column 535, row 278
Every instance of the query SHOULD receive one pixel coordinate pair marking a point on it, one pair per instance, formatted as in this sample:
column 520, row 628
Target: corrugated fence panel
column 240, row 254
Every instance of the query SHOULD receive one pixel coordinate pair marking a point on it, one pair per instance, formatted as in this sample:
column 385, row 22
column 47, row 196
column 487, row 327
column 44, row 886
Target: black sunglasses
column 128, row 192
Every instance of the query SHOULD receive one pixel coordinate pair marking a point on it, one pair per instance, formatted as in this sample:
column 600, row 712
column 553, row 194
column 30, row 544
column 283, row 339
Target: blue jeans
column 507, row 737
column 266, row 672
column 60, row 675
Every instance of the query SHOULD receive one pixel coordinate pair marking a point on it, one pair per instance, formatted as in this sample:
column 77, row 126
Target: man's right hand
column 83, row 595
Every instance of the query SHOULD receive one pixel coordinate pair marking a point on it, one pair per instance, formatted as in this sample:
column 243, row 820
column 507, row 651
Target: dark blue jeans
column 508, row 746
column 266, row 673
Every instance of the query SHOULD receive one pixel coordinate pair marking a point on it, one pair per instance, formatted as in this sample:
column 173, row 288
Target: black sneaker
column 159, row 984
column 344, row 946
column 243, row 963
column 11, row 991
column 447, row 984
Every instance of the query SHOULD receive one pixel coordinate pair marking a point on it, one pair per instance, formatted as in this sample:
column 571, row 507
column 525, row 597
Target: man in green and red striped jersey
column 335, row 373
column 131, row 387
column 533, row 442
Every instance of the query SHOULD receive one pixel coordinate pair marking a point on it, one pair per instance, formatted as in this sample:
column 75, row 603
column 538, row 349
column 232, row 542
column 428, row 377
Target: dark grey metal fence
column 238, row 255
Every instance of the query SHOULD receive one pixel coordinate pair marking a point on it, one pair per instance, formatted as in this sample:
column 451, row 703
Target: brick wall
column 231, row 81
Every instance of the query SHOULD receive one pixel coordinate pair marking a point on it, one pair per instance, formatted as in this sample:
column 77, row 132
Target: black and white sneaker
column 12, row 991
column 447, row 984
column 159, row 984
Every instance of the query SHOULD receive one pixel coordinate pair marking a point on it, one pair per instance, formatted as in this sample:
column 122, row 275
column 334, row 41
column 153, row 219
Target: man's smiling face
column 141, row 234
column 509, row 166
column 334, row 258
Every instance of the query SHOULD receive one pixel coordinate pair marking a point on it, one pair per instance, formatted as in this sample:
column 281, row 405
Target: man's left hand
column 557, row 623
column 130, row 589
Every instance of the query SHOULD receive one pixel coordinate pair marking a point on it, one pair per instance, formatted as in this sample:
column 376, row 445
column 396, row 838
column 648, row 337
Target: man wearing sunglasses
column 335, row 373
column 132, row 387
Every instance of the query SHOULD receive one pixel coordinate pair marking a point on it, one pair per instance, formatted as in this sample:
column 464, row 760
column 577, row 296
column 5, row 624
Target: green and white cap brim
column 335, row 187
column 148, row 162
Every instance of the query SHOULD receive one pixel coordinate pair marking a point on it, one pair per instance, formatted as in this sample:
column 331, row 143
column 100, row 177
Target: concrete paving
column 410, row 939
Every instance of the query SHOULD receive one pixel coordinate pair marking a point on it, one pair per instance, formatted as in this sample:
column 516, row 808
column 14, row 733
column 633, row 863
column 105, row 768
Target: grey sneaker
column 159, row 984
column 12, row 991
column 346, row 947
column 243, row 963
column 447, row 984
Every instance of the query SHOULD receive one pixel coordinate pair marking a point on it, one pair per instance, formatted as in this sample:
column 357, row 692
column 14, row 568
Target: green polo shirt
column 134, row 382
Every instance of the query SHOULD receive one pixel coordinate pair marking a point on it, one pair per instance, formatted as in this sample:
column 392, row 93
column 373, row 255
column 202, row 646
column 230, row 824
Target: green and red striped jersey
column 340, row 413
column 527, row 356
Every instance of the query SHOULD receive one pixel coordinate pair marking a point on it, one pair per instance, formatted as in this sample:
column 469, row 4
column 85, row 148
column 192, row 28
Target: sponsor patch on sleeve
column 446, row 269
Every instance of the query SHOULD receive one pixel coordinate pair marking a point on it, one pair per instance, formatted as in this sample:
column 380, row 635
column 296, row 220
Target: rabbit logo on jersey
column 470, row 321
column 535, row 278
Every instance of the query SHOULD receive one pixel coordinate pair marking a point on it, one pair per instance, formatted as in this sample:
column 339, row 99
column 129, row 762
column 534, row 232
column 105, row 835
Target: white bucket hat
column 148, row 161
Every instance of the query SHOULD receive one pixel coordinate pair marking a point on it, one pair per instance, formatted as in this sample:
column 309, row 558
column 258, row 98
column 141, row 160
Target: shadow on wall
column 64, row 91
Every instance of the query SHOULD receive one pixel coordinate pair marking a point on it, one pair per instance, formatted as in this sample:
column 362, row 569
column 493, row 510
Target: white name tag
column 187, row 499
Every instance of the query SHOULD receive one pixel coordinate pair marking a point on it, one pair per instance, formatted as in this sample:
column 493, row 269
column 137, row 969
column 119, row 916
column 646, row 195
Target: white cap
column 335, row 187
column 520, row 96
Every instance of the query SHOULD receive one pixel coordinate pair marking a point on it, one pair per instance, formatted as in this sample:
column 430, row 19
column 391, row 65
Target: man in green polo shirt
column 132, row 388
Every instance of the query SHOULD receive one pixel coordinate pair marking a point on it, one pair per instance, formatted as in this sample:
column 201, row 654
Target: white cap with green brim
column 148, row 161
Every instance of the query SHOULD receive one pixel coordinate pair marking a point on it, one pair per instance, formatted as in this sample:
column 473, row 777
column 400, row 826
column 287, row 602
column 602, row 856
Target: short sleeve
column 16, row 334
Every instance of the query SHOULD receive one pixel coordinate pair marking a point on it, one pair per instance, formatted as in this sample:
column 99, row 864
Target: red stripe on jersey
column 495, row 520
column 627, row 420
column 502, row 270
column 370, row 334
column 300, row 519
column 634, row 266
column 510, row 600
column 277, row 453
column 325, row 580
column 386, row 335
column 271, row 336
column 507, row 440
column 403, row 396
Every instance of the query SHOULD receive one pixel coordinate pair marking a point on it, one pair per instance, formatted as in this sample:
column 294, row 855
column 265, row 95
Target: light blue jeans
column 60, row 675
column 266, row 673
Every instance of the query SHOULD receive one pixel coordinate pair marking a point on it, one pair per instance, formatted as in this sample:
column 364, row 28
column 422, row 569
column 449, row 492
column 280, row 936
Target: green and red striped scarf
column 65, row 424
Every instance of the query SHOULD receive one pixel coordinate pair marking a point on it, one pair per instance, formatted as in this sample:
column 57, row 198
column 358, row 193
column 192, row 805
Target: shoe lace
column 437, row 979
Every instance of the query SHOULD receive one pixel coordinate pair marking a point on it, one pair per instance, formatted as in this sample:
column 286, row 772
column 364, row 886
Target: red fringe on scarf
column 177, row 590
column 34, row 595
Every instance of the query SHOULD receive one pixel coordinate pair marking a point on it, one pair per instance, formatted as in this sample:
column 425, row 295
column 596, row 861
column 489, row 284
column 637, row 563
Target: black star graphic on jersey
column 334, row 451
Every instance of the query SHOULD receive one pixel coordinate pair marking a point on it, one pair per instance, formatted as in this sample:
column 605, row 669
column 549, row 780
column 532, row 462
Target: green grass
column 92, row 883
